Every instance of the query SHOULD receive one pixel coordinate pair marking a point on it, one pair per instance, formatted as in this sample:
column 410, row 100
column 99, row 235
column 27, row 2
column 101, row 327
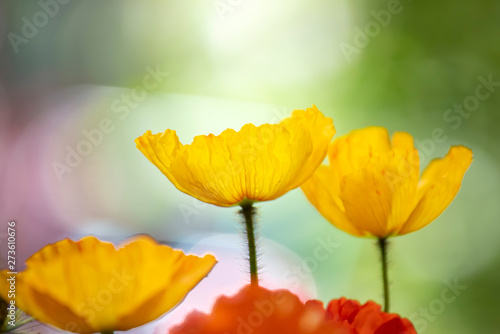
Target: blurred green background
column 429, row 68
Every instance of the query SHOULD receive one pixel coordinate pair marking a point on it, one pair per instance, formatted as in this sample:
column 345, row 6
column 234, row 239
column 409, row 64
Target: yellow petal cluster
column 373, row 186
column 89, row 286
column 257, row 163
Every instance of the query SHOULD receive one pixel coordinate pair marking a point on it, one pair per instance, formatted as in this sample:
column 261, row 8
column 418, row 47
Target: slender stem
column 382, row 243
column 248, row 212
column 107, row 332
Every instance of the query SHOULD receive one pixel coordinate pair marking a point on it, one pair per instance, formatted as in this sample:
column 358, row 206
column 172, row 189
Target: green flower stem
column 383, row 244
column 248, row 213
column 107, row 332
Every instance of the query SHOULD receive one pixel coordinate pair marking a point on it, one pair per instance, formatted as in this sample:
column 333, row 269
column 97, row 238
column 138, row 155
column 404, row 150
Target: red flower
column 255, row 310
column 368, row 318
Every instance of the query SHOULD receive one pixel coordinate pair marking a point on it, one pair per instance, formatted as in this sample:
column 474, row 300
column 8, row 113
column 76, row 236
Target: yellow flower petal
column 372, row 186
column 402, row 141
column 43, row 306
column 161, row 149
column 438, row 186
column 379, row 198
column 327, row 201
column 321, row 131
column 89, row 286
column 353, row 151
column 256, row 163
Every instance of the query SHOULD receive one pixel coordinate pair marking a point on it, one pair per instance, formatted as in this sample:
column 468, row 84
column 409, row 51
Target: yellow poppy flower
column 257, row 163
column 89, row 286
column 373, row 186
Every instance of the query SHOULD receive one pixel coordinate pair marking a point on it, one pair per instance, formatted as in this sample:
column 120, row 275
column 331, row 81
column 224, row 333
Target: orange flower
column 258, row 310
column 368, row 318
